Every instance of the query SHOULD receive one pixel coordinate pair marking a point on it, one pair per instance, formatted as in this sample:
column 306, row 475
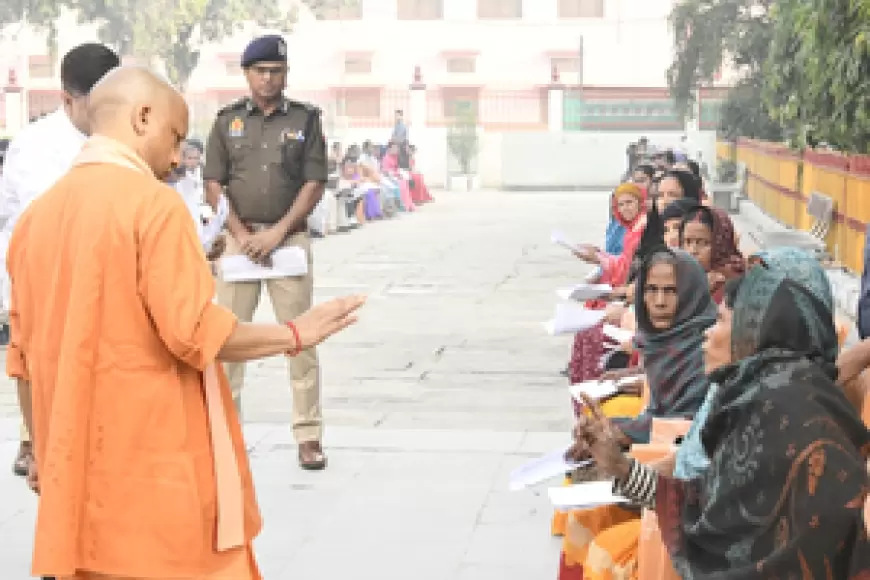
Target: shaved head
column 136, row 107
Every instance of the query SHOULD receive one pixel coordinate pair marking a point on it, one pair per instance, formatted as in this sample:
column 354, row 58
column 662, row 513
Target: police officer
column 267, row 153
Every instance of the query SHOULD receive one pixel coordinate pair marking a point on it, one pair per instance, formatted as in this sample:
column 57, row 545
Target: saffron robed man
column 140, row 461
column 268, row 154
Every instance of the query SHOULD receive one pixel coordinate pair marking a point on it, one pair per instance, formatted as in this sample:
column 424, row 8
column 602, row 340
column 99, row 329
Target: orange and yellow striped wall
column 781, row 180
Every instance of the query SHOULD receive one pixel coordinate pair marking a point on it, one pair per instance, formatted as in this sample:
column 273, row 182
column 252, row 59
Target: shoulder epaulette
column 309, row 107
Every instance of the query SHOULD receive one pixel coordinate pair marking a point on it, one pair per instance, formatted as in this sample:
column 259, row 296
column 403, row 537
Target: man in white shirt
column 42, row 153
column 187, row 181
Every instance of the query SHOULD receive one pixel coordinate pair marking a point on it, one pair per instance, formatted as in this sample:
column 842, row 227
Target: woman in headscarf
column 708, row 234
column 627, row 208
column 676, row 184
column 673, row 312
column 785, row 490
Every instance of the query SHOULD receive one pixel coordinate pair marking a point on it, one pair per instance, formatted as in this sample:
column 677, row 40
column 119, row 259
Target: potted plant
column 463, row 144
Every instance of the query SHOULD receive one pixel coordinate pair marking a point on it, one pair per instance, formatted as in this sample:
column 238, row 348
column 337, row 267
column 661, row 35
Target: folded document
column 286, row 262
column 584, row 495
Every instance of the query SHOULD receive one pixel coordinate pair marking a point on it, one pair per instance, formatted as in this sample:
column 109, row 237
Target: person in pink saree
column 390, row 168
column 419, row 192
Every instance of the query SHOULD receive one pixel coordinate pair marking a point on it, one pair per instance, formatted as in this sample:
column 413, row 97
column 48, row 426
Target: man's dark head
column 670, row 157
column 367, row 146
column 80, row 69
column 400, row 114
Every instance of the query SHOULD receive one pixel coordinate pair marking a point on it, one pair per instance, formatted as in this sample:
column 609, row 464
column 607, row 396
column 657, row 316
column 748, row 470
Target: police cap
column 271, row 48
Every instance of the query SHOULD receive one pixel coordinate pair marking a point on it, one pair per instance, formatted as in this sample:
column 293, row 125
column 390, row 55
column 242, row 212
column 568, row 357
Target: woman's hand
column 852, row 362
column 587, row 253
column 324, row 320
column 597, row 438
column 715, row 280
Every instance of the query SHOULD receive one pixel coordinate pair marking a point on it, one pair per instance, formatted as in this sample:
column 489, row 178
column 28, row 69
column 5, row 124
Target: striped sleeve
column 640, row 485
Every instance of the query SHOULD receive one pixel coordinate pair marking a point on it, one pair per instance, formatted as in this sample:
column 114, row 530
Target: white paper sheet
column 551, row 465
column 583, row 292
column 617, row 334
column 571, row 318
column 559, row 239
column 584, row 495
column 595, row 390
column 286, row 262
column 598, row 390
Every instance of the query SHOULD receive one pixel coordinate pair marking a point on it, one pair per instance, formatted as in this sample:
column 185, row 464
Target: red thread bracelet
column 295, row 330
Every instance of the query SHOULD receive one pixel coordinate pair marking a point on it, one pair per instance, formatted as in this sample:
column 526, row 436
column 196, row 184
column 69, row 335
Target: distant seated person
column 419, row 192
column 392, row 170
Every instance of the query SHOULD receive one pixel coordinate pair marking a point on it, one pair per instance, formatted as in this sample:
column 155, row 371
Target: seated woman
column 391, row 169
column 707, row 233
column 674, row 309
column 621, row 542
column 783, row 495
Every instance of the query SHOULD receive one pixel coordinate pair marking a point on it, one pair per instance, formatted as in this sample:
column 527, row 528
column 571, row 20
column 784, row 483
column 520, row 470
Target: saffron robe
column 112, row 321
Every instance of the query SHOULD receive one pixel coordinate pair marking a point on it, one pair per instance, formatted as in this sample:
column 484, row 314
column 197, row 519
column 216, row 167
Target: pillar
column 16, row 111
column 556, row 104
column 417, row 117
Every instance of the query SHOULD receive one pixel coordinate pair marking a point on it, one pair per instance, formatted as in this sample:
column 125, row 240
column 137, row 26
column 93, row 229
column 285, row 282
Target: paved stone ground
column 446, row 384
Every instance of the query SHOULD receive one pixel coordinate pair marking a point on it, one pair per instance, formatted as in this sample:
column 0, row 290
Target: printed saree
column 784, row 493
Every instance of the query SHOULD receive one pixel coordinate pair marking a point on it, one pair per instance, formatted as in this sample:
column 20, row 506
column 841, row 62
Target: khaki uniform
column 263, row 162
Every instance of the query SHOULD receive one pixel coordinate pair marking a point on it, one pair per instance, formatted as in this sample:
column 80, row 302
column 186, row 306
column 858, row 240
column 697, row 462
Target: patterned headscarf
column 725, row 255
column 797, row 265
column 672, row 358
column 784, row 492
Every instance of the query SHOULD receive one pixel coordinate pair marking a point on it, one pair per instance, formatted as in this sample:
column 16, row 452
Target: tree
column 462, row 138
column 708, row 34
column 41, row 14
column 175, row 31
column 818, row 73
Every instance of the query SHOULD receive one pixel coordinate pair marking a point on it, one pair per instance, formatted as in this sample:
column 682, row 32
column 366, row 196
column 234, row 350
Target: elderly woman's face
column 628, row 207
column 660, row 295
column 717, row 341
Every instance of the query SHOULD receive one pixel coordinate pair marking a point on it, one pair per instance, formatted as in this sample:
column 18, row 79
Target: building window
column 357, row 65
column 456, row 101
column 499, row 8
column 342, row 10
column 581, row 8
column 40, row 68
column 361, row 103
column 420, row 9
column 461, row 64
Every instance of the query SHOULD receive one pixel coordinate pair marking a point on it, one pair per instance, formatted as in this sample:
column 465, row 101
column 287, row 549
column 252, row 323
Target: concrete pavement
column 447, row 383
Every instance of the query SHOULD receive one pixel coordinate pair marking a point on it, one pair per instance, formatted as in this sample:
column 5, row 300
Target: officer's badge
column 282, row 48
column 291, row 135
column 237, row 127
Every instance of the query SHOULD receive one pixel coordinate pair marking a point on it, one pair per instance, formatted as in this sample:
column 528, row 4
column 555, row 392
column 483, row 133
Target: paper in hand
column 559, row 239
column 617, row 334
column 583, row 292
column 584, row 495
column 551, row 465
column 571, row 318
